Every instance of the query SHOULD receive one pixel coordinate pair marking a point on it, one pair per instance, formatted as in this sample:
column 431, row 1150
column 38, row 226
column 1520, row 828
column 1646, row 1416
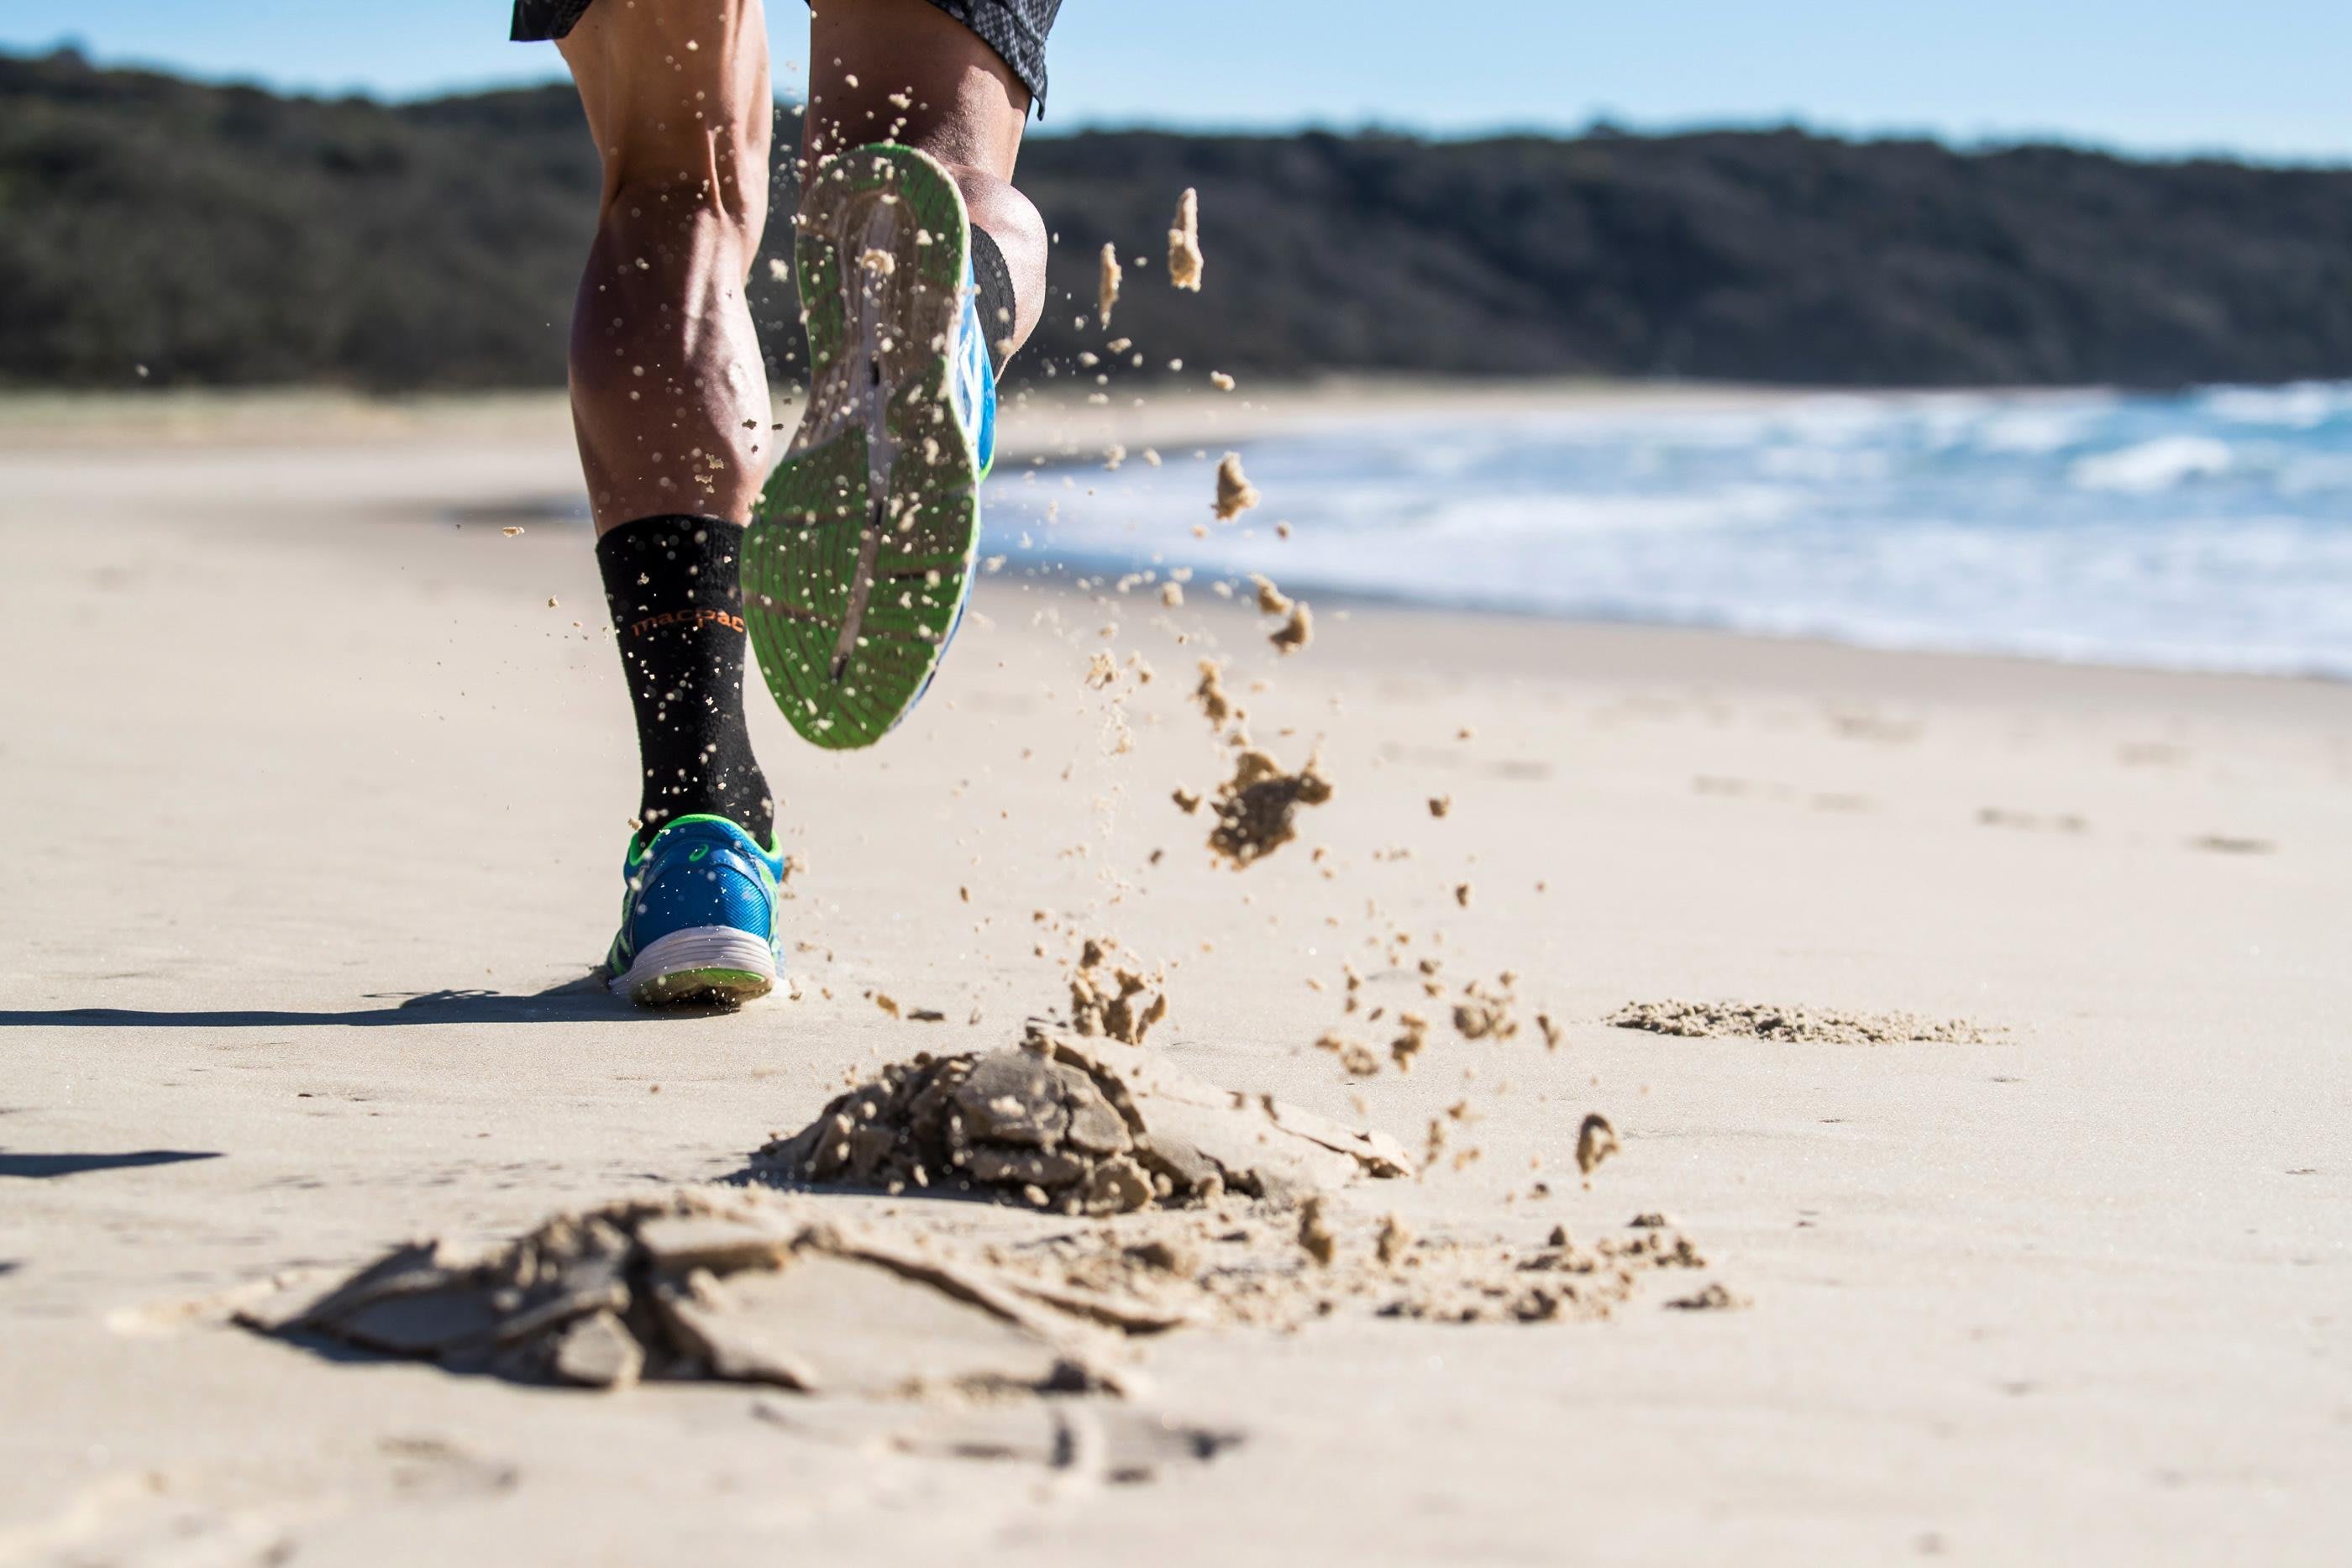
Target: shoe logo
column 696, row 618
column 699, row 851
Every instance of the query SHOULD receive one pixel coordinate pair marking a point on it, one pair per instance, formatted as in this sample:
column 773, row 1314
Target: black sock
column 678, row 610
column 998, row 310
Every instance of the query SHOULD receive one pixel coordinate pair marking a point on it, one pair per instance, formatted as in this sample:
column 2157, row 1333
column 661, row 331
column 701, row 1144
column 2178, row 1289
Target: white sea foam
column 2153, row 466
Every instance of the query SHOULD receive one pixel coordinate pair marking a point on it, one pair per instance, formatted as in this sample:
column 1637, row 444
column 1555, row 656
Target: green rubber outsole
column 856, row 566
column 726, row 986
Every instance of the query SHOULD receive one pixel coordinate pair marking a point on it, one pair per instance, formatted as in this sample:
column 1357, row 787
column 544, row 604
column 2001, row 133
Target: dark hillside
column 226, row 235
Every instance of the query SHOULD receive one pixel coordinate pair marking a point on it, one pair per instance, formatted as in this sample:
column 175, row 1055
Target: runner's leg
column 906, row 71
column 669, row 395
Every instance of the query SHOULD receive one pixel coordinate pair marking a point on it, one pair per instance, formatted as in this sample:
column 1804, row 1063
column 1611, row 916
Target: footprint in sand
column 2230, row 845
column 2030, row 822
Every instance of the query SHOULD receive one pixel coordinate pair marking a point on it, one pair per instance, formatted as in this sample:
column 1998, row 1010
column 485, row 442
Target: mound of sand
column 1059, row 1126
column 701, row 1287
column 1718, row 1020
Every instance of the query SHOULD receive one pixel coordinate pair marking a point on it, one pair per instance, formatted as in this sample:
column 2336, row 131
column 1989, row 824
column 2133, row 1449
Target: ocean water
column 2210, row 529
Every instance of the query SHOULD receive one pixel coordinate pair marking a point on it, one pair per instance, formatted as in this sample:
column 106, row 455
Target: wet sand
column 321, row 807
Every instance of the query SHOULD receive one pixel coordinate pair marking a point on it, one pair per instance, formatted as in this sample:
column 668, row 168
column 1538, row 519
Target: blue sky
column 2265, row 77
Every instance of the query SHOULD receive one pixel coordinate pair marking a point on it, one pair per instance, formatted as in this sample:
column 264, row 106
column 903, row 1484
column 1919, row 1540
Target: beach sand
column 320, row 805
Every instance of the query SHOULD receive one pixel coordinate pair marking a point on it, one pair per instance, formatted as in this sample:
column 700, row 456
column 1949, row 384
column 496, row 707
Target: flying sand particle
column 1211, row 692
column 1236, row 494
column 1411, row 1042
column 1107, row 283
column 1356, row 1058
column 1595, row 1142
column 1257, row 807
column 1097, row 1010
column 1315, row 1233
column 1184, row 261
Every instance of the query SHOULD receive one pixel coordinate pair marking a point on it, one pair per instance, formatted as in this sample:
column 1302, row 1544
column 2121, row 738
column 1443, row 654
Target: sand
column 1184, row 263
column 321, row 807
column 1717, row 1020
column 1236, row 494
column 1108, row 273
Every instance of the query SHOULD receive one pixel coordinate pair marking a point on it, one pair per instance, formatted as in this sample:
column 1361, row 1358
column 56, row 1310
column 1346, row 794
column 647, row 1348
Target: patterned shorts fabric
column 1015, row 29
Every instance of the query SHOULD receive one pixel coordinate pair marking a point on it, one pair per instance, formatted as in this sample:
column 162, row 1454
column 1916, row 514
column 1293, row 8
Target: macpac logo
column 693, row 618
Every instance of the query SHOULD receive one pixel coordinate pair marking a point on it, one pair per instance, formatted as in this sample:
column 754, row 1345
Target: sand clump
column 1236, row 494
column 1297, row 632
column 1356, row 1058
column 1184, row 261
column 1120, row 1005
column 1412, row 1039
column 1483, row 1014
column 1730, row 1020
column 1106, row 282
column 1596, row 1140
column 1257, row 808
column 1055, row 1125
column 698, row 1286
column 1216, row 703
column 1713, row 1297
column 1315, row 1233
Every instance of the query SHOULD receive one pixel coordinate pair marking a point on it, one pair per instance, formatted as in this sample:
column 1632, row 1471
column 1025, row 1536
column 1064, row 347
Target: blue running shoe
column 699, row 919
column 859, row 562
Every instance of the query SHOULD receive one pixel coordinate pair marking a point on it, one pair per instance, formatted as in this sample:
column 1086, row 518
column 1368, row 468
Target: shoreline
column 517, row 448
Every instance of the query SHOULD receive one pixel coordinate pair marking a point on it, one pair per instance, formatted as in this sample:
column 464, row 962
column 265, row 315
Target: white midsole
column 698, row 947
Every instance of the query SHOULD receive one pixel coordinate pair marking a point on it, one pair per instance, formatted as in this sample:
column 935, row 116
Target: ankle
column 677, row 603
column 1014, row 243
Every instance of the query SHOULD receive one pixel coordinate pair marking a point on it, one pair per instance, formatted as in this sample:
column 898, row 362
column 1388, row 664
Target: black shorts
column 1015, row 29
